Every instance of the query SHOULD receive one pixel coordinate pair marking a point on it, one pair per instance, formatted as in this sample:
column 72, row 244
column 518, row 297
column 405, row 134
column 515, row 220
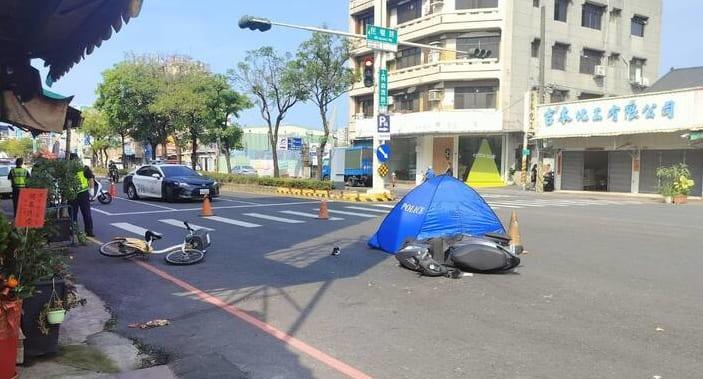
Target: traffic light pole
column 379, row 61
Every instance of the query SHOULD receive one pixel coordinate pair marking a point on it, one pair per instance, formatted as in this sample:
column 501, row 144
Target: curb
column 353, row 196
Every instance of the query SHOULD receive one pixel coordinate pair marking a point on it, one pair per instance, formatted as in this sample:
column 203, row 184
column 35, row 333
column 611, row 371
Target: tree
column 19, row 148
column 125, row 97
column 224, row 102
column 271, row 79
column 323, row 74
column 95, row 125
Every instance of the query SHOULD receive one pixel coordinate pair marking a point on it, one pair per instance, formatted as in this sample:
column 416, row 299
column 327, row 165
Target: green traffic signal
column 255, row 23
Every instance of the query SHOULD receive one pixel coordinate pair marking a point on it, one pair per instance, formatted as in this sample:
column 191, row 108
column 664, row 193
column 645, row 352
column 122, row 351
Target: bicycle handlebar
column 188, row 226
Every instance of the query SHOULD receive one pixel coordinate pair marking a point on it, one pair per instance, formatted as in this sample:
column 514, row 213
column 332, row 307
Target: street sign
column 31, row 208
column 379, row 38
column 525, row 152
column 383, row 88
column 282, row 143
column 295, row 143
column 384, row 127
column 383, row 169
column 383, row 152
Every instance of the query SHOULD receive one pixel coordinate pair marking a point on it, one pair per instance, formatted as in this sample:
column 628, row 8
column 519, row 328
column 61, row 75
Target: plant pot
column 680, row 199
column 668, row 199
column 10, row 312
column 36, row 343
column 56, row 316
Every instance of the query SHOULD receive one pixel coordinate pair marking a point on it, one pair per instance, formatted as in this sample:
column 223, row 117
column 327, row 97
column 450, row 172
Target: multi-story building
column 445, row 105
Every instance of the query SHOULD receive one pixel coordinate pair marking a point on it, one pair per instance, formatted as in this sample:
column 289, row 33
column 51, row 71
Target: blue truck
column 357, row 163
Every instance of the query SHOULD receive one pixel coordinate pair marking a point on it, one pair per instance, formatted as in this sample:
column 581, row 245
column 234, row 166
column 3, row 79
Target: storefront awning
column 48, row 112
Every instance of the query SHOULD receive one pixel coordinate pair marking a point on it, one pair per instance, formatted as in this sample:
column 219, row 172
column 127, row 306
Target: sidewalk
column 87, row 350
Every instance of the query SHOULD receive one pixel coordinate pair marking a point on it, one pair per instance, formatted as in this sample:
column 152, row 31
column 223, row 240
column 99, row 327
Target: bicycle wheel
column 184, row 257
column 117, row 248
column 105, row 198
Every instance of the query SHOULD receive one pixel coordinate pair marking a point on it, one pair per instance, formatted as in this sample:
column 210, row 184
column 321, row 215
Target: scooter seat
column 152, row 236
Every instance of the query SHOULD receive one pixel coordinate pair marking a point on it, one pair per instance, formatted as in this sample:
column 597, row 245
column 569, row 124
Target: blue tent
column 441, row 206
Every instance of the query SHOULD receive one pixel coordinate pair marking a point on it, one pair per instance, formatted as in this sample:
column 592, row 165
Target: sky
column 207, row 30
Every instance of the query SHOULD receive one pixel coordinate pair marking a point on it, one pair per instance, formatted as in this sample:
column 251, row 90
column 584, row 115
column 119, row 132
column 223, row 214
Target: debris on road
column 659, row 329
column 336, row 251
column 150, row 324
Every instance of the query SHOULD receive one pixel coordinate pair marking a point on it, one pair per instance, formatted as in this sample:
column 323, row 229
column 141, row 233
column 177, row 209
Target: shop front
column 618, row 144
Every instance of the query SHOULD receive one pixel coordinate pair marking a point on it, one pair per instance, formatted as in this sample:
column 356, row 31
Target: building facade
column 446, row 107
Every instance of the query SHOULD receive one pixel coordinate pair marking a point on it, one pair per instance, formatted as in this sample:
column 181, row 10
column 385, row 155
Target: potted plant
column 10, row 313
column 41, row 274
column 675, row 183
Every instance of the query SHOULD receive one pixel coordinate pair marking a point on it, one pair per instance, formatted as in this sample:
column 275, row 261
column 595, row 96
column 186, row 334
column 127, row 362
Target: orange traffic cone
column 113, row 189
column 514, row 235
column 324, row 213
column 207, row 208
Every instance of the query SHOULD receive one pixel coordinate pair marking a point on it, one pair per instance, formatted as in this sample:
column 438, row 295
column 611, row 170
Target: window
column 638, row 23
column 474, row 97
column 470, row 41
column 535, row 3
column 362, row 21
column 637, row 70
column 591, row 16
column 589, row 60
column 535, row 48
column 171, row 171
column 473, row 4
column 613, row 59
column 558, row 96
column 147, row 171
column 365, row 107
column 409, row 10
column 560, row 9
column 588, row 96
column 559, row 51
column 407, row 58
column 409, row 102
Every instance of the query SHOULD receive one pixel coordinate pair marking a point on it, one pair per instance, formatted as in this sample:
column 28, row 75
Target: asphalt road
column 609, row 288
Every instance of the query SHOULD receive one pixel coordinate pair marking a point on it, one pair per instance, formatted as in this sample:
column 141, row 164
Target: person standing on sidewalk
column 86, row 179
column 18, row 177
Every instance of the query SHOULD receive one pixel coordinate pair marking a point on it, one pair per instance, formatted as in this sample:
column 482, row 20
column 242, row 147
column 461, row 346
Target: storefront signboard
column 649, row 113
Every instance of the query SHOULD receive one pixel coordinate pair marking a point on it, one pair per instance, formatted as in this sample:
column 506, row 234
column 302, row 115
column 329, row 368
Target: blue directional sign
column 383, row 152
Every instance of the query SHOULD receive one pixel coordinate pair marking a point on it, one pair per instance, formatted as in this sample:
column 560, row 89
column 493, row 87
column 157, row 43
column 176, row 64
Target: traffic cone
column 324, row 214
column 514, row 235
column 207, row 208
column 113, row 189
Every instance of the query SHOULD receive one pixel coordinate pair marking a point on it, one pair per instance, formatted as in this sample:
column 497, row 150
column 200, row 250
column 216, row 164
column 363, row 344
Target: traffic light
column 368, row 72
column 255, row 23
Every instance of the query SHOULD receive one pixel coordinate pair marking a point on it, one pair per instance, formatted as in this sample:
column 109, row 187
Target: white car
column 244, row 170
column 169, row 182
column 5, row 184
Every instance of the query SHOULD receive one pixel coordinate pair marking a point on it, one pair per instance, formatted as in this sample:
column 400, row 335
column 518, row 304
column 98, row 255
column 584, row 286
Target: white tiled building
column 444, row 104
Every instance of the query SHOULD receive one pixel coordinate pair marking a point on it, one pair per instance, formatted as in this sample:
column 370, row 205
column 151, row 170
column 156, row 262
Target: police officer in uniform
column 86, row 179
column 18, row 177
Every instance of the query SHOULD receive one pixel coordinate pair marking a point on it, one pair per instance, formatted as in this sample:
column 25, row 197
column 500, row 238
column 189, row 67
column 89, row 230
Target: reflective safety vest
column 19, row 177
column 80, row 175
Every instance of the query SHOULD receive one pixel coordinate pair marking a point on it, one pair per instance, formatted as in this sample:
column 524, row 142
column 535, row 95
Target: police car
column 169, row 182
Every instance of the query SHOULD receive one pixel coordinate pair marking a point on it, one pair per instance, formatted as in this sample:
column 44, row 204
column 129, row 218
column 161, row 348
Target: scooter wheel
column 105, row 198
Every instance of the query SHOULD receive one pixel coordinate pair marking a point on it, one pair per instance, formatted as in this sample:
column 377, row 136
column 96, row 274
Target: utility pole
column 379, row 182
column 541, row 92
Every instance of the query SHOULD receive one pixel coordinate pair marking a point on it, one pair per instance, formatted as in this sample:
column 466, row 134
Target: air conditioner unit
column 600, row 71
column 436, row 6
column 390, row 100
column 435, row 95
column 390, row 56
column 644, row 82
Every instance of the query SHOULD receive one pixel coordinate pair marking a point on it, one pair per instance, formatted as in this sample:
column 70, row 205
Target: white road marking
column 237, row 201
column 215, row 208
column 130, row 228
column 503, row 205
column 350, row 213
column 145, row 203
column 233, row 222
column 180, row 224
column 368, row 209
column 274, row 218
column 309, row 215
column 389, row 206
column 101, row 211
column 514, row 204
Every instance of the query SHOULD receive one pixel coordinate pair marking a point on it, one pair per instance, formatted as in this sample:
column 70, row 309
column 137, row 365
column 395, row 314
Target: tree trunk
column 228, row 158
column 323, row 143
column 124, row 157
column 273, row 137
column 153, row 150
column 194, row 149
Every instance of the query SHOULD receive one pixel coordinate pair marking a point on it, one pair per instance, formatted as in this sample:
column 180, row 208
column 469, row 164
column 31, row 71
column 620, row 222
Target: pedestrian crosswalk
column 342, row 211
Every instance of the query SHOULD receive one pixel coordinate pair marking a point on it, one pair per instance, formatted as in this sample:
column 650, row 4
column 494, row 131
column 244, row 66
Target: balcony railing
column 435, row 122
column 359, row 5
column 451, row 20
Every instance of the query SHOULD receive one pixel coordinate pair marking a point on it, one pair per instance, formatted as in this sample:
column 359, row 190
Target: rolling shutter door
column 572, row 173
column 619, row 171
column 649, row 162
column 694, row 160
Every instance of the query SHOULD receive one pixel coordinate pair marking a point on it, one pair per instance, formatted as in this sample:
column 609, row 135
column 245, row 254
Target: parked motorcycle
column 549, row 181
column 114, row 176
column 100, row 194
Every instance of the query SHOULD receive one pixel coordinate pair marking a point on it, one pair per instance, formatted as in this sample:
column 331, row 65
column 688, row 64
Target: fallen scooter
column 451, row 255
column 100, row 194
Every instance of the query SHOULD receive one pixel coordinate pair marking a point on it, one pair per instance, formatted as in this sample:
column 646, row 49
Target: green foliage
column 17, row 147
column 58, row 176
column 274, row 82
column 270, row 181
column 675, row 180
column 96, row 124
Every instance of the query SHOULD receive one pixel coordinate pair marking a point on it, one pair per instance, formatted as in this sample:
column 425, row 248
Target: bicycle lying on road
column 191, row 251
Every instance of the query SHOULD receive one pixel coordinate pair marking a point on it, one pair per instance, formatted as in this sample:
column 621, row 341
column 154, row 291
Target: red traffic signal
column 368, row 72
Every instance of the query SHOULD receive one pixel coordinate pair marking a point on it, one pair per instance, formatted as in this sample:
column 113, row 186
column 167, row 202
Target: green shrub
column 267, row 181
